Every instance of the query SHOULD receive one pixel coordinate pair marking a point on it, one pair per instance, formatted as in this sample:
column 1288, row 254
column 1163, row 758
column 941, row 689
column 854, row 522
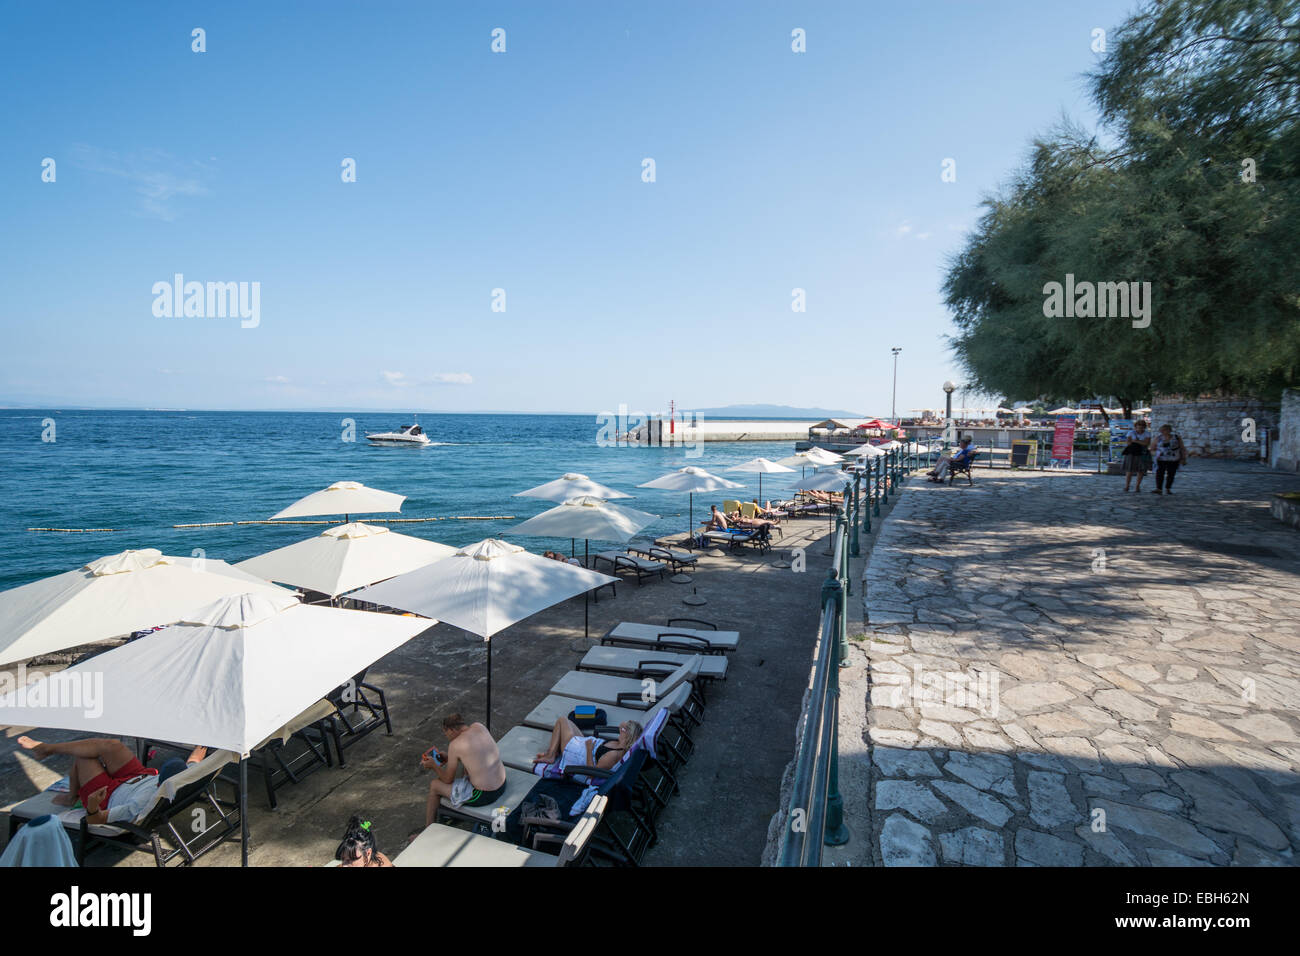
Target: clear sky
column 520, row 171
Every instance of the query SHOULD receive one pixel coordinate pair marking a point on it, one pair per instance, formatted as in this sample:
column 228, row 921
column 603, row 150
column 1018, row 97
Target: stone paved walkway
column 1056, row 673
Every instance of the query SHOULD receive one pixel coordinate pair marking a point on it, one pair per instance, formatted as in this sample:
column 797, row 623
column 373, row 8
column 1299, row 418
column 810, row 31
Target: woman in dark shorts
column 1137, row 454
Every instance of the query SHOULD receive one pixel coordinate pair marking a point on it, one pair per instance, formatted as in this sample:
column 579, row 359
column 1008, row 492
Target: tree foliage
column 1192, row 89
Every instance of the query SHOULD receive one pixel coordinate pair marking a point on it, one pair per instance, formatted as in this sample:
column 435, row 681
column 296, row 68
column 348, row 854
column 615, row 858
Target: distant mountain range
column 774, row 411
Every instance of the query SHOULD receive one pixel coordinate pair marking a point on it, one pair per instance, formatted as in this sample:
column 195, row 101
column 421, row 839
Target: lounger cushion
column 628, row 660
column 544, row 714
column 604, row 688
column 441, row 845
column 649, row 634
column 518, row 783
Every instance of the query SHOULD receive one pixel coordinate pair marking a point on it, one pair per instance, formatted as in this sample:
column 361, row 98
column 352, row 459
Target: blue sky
column 519, row 171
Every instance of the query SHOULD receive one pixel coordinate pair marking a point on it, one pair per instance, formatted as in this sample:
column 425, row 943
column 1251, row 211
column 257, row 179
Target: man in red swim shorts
column 100, row 767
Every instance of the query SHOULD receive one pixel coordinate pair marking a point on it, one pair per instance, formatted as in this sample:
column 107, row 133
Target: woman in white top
column 1170, row 453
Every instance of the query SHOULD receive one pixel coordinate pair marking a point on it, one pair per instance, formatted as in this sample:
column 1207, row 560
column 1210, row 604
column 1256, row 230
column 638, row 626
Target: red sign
column 1063, row 440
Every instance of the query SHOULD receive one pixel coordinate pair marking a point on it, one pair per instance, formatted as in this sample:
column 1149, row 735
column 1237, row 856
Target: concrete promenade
column 1053, row 672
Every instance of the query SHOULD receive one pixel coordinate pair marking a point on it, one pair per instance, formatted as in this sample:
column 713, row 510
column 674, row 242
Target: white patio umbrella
column 823, row 481
column 1064, row 410
column 761, row 467
column 568, row 486
column 345, row 558
column 227, row 676
column 865, row 451
column 822, row 457
column 484, row 588
column 690, row 480
column 586, row 518
column 343, row 498
column 111, row 597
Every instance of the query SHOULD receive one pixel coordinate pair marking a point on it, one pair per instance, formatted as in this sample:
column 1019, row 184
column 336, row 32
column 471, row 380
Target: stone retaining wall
column 1285, row 453
column 1211, row 425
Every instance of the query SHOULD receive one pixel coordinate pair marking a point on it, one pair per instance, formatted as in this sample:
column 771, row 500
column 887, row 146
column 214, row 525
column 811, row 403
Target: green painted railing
column 815, row 817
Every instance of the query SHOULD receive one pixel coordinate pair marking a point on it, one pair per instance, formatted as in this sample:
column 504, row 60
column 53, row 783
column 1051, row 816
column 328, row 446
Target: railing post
column 877, row 464
column 854, row 547
column 836, row 833
column 884, row 474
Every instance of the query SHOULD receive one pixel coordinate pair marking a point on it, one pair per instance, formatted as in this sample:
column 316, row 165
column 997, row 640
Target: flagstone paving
column 1058, row 673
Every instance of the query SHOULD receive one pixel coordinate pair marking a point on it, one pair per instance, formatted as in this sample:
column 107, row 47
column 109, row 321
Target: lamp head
column 949, row 387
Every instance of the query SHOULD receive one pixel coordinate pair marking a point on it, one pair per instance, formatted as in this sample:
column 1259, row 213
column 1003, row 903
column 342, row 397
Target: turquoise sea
column 144, row 471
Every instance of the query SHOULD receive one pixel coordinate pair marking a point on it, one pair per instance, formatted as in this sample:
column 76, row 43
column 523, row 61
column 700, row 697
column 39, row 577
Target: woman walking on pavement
column 1170, row 453
column 1137, row 454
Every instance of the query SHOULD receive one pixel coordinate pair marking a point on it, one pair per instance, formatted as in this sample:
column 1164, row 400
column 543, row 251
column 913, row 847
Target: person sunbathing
column 740, row 521
column 470, row 748
column 358, row 846
column 766, row 510
column 572, row 749
column 107, row 778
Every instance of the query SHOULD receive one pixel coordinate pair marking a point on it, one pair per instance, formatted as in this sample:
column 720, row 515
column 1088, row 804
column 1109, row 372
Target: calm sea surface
column 142, row 472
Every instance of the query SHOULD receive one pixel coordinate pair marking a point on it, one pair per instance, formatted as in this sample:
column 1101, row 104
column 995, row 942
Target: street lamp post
column 893, row 402
column 948, row 388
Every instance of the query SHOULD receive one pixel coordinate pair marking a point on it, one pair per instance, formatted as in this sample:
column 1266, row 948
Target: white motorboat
column 408, row 435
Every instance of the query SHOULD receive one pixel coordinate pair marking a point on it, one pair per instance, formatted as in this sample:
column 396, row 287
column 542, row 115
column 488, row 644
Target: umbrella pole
column 690, row 529
column 487, row 720
column 243, row 811
column 573, row 547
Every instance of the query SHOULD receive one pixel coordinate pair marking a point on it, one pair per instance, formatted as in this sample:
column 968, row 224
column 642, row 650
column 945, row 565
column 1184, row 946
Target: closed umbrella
column 345, row 558
column 761, row 467
column 343, row 498
column 690, row 480
column 484, row 588
column 111, row 597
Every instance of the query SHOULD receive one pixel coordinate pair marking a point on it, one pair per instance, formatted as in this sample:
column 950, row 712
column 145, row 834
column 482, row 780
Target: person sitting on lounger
column 470, row 749
column 965, row 453
column 717, row 521
column 358, row 846
column 572, row 749
column 107, row 778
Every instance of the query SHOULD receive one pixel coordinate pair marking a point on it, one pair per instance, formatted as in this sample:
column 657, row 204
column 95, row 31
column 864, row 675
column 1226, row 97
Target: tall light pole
column 893, row 402
column 948, row 388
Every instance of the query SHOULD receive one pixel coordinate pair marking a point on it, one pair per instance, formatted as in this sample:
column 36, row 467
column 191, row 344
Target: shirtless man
column 469, row 746
column 107, row 778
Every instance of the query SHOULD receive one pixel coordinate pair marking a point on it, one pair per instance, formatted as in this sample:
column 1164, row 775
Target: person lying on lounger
column 766, row 510
column 107, row 778
column 358, row 846
column 965, row 453
column 740, row 521
column 572, row 749
column 470, row 749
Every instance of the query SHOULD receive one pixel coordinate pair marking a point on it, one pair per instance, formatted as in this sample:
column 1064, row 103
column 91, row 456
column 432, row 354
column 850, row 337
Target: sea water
column 141, row 472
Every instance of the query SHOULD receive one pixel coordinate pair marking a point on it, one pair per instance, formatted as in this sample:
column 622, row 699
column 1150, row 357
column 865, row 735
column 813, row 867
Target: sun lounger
column 359, row 708
column 555, row 706
column 624, row 563
column 518, row 783
column 676, row 560
column 272, row 758
column 631, row 691
column 170, row 818
column 632, row 662
column 673, row 637
column 441, row 845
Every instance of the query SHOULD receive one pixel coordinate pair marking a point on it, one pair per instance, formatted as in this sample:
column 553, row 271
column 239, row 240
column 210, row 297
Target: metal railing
column 815, row 817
